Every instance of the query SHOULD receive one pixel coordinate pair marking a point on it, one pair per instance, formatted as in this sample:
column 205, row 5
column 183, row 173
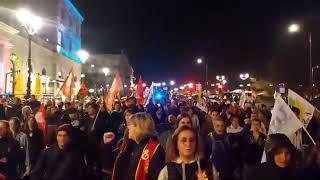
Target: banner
column 115, row 90
column 150, row 95
column 202, row 105
column 68, row 86
column 139, row 92
column 242, row 100
column 306, row 109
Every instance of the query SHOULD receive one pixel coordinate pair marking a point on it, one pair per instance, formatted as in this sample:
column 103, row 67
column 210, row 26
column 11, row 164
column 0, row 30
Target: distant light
column 163, row 83
column 190, row 85
column 241, row 85
column 158, row 96
column 92, row 65
column 293, row 28
column 248, row 85
column 82, row 75
column 59, row 74
column 31, row 22
column 244, row 76
column 176, row 89
column 108, row 85
column 224, row 81
column 91, row 90
column 144, row 84
column 270, row 85
column 83, row 55
column 47, row 40
column 199, row 61
column 212, row 85
column 106, row 71
column 125, row 86
column 313, row 85
column 172, row 83
column 220, row 78
column 220, row 86
column 182, row 87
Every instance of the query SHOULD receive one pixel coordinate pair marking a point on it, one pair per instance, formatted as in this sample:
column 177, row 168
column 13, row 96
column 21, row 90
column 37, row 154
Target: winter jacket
column 36, row 145
column 269, row 170
column 252, row 150
column 10, row 150
column 190, row 171
column 57, row 164
column 127, row 161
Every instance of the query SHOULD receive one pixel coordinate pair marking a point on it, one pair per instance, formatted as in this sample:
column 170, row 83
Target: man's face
column 91, row 110
column 3, row 129
column 282, row 157
column 219, row 127
column 255, row 126
column 63, row 139
column 131, row 102
column 32, row 98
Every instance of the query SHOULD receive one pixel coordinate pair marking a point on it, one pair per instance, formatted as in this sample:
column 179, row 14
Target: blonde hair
column 145, row 123
column 172, row 152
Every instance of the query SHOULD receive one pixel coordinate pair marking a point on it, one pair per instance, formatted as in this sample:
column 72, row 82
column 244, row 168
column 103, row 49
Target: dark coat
column 36, row 145
column 57, row 164
column 127, row 161
column 15, row 111
column 10, row 150
column 252, row 150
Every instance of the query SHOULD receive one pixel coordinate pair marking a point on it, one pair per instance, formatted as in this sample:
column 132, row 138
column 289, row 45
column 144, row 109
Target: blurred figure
column 280, row 163
column 164, row 136
column 16, row 109
column 26, row 113
column 34, row 103
column 9, row 152
column 185, row 158
column 60, row 162
column 311, row 170
column 235, row 126
column 21, row 137
column 141, row 146
column 184, row 120
column 194, row 118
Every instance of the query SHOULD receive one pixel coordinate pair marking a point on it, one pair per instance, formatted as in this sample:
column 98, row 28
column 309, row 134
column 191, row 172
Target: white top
column 163, row 175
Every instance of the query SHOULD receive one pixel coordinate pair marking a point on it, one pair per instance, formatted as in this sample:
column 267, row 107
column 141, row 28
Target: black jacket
column 15, row 111
column 57, row 164
column 127, row 161
column 10, row 149
column 252, row 150
column 36, row 145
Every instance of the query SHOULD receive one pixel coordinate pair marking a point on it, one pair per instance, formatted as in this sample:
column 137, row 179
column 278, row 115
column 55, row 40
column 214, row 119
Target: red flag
column 67, row 86
column 42, row 122
column 115, row 90
column 83, row 89
column 139, row 93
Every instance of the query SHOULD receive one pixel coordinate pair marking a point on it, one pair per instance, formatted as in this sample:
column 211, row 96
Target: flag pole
column 95, row 120
column 304, row 128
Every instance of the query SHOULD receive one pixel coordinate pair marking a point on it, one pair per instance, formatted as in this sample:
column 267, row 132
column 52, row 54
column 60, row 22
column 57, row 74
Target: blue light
column 74, row 9
column 158, row 95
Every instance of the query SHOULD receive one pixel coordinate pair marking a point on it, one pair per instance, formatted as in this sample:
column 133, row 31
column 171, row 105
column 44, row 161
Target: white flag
column 202, row 105
column 242, row 100
column 306, row 109
column 283, row 121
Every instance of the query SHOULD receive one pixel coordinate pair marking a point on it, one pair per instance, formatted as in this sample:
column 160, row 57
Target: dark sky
column 162, row 38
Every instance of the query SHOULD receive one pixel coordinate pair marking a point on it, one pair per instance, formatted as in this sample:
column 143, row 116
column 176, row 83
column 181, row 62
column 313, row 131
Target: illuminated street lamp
column 92, row 65
column 164, row 83
column 220, row 78
column 244, row 76
column 172, row 83
column 83, row 55
column 200, row 61
column 82, row 75
column 106, row 71
column 295, row 28
column 32, row 24
column 224, row 82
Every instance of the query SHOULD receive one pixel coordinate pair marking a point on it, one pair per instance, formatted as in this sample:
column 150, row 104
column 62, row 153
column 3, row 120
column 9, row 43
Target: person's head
column 127, row 114
column 184, row 120
column 219, row 126
column 140, row 125
column 4, row 128
column 190, row 111
column 117, row 106
column 255, row 125
column 92, row 109
column 26, row 111
column 184, row 144
column 63, row 135
column 53, row 109
column 172, row 120
column 313, row 156
column 14, row 124
column 174, row 102
column 67, row 105
column 17, row 101
column 159, row 111
column 235, row 121
column 32, row 98
column 60, row 106
column 132, row 101
column 279, row 150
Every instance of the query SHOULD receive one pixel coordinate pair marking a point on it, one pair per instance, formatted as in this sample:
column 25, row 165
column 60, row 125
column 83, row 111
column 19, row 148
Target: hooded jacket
column 269, row 170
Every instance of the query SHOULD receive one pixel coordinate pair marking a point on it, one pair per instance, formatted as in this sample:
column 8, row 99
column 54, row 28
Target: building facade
column 54, row 48
column 96, row 78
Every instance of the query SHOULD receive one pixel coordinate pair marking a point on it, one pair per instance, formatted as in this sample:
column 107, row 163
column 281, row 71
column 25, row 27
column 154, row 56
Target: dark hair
column 66, row 128
column 183, row 115
column 94, row 106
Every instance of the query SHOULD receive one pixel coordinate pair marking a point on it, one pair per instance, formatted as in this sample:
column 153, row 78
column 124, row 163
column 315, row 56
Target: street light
column 164, row 83
column 200, row 61
column 172, row 83
column 106, row 71
column 295, row 28
column 83, row 55
column 220, row 78
column 244, row 76
column 82, row 75
column 32, row 24
column 92, row 65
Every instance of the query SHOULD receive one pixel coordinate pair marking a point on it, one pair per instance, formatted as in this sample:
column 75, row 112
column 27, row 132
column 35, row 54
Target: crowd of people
column 171, row 141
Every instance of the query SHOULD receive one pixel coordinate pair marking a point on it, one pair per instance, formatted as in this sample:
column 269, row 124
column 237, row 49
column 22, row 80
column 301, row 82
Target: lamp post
column 244, row 76
column 32, row 24
column 220, row 77
column 201, row 61
column 295, row 28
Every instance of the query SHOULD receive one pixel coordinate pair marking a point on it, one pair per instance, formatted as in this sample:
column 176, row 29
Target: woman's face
column 282, row 157
column 186, row 144
column 184, row 122
column 134, row 131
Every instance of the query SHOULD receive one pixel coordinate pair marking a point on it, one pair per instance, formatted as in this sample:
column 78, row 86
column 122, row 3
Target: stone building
column 54, row 48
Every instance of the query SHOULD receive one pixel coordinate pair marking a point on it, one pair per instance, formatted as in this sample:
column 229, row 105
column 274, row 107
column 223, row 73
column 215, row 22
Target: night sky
column 163, row 38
